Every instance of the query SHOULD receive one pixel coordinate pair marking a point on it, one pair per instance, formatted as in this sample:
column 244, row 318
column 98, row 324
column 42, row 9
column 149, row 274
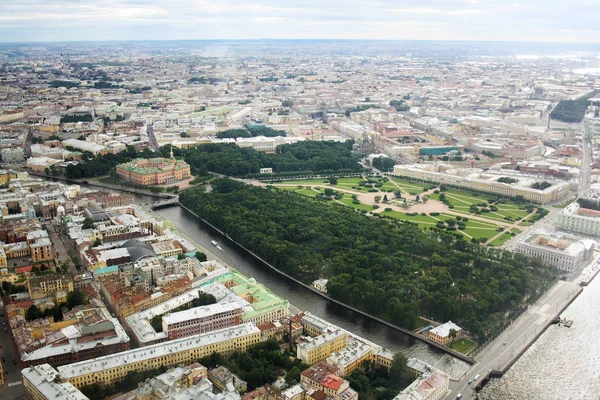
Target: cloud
column 534, row 20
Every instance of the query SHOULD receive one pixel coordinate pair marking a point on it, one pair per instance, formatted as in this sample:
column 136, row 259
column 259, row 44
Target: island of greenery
column 384, row 267
column 251, row 132
column 296, row 159
column 573, row 110
column 289, row 159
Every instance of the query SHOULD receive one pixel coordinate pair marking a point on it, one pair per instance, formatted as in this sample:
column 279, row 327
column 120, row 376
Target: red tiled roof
column 332, row 382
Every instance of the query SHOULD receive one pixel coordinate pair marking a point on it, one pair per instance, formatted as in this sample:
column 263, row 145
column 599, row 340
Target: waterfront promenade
column 496, row 358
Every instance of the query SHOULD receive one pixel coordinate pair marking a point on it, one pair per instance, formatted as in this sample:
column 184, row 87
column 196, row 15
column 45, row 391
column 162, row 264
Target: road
column 496, row 355
column 60, row 248
column 517, row 336
column 12, row 372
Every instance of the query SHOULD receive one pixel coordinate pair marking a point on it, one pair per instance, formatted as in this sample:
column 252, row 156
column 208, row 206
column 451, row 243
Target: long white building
column 476, row 180
column 581, row 220
column 565, row 252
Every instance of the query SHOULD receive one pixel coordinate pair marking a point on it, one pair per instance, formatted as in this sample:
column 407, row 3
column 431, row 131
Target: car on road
column 470, row 381
column 458, row 396
column 476, row 377
column 504, row 343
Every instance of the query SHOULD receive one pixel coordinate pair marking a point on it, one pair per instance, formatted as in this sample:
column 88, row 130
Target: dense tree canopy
column 262, row 363
column 572, row 110
column 103, row 165
column 387, row 268
column 309, row 156
column 384, row 164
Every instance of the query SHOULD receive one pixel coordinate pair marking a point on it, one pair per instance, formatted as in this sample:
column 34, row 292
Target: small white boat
column 214, row 243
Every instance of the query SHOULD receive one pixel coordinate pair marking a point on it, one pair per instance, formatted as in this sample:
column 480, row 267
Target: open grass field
column 305, row 182
column 479, row 233
column 462, row 345
column 347, row 200
column 500, row 240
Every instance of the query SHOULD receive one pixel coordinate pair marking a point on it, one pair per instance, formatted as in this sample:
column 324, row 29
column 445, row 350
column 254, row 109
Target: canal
column 563, row 363
column 307, row 300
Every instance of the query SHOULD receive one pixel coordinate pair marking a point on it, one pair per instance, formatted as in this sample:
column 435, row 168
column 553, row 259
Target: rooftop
column 73, row 344
column 444, row 329
column 312, row 343
column 42, row 377
column 154, row 351
column 200, row 312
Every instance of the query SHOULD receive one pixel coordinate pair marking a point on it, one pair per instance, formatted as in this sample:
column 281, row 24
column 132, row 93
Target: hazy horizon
column 449, row 20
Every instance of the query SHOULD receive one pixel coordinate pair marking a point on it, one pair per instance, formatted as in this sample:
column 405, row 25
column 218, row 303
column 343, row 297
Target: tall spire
column 172, row 151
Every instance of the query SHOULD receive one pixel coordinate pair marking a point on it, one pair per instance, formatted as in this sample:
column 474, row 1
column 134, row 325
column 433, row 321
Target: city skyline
column 470, row 20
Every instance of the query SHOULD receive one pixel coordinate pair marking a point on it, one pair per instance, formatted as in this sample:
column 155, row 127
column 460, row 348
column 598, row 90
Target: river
column 564, row 363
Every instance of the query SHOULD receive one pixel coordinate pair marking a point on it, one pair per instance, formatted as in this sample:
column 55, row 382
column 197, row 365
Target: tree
column 399, row 370
column 33, row 313
column 74, row 299
column 385, row 198
column 302, row 237
column 201, row 256
column 97, row 243
column 156, row 323
column 333, row 181
column 453, row 333
column 88, row 223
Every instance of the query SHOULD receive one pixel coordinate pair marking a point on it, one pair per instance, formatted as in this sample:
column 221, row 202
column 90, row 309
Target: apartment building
column 313, row 350
column 44, row 286
column 203, row 319
column 153, row 171
column 109, row 369
column 312, row 325
column 75, row 343
column 43, row 382
column 350, row 357
column 325, row 378
column 259, row 303
column 427, row 387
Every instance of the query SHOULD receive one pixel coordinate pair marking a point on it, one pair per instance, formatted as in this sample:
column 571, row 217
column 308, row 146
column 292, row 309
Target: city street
column 12, row 373
column 497, row 354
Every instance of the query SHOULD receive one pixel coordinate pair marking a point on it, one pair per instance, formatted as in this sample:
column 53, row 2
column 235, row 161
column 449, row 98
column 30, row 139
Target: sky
column 481, row 20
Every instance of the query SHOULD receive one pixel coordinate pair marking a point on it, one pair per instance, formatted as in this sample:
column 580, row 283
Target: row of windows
column 110, row 375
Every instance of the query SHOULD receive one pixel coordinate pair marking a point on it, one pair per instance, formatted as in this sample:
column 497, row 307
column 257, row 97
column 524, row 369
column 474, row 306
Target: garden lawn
column 479, row 233
column 302, row 182
column 500, row 240
column 462, row 345
column 408, row 186
column 288, row 188
column 423, row 221
column 347, row 200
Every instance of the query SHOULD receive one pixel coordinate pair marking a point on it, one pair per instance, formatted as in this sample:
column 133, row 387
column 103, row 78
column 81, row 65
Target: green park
column 481, row 218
